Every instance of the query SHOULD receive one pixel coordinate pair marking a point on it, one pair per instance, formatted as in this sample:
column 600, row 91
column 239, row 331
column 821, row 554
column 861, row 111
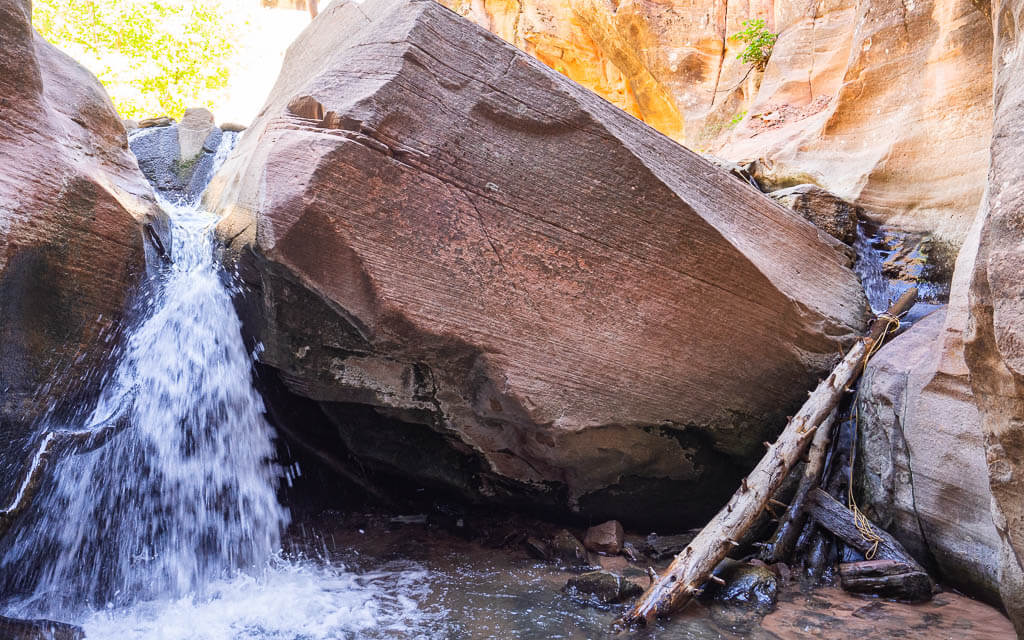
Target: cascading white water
column 177, row 515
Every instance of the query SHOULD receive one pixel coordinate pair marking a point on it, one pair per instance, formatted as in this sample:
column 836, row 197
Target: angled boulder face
column 72, row 209
column 492, row 280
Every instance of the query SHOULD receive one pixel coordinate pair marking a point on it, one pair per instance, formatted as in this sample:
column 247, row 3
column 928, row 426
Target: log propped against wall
column 683, row 580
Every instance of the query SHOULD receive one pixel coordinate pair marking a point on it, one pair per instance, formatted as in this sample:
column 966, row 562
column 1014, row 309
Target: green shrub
column 759, row 43
column 155, row 57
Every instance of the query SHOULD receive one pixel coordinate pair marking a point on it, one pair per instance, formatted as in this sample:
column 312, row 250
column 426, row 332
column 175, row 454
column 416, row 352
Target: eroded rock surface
column 995, row 342
column 540, row 297
column 885, row 103
column 72, row 209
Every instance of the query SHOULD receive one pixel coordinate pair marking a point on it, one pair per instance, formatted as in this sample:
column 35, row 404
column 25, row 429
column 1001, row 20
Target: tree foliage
column 155, row 57
column 759, row 41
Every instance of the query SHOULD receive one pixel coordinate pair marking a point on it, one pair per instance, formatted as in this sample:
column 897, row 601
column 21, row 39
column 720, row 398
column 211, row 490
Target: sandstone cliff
column 885, row 103
column 995, row 340
column 540, row 295
column 72, row 208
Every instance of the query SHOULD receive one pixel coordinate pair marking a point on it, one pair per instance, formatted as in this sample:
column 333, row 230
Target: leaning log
column 792, row 521
column 694, row 565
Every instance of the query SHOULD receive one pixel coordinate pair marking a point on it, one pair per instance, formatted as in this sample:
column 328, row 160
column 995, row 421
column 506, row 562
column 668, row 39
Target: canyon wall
column 72, row 208
column 885, row 103
column 995, row 339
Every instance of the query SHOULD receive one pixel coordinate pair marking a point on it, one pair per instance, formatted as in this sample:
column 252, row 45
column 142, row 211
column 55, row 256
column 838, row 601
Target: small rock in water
column 567, row 548
column 537, row 548
column 14, row 629
column 661, row 547
column 603, row 587
column 604, row 538
column 747, row 584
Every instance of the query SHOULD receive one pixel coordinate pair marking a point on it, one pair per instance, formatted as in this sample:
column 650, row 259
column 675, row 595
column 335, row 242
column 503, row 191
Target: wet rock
column 159, row 156
column 15, row 629
column 660, row 547
column 193, row 130
column 517, row 326
column 567, row 548
column 73, row 213
column 750, row 585
column 537, row 548
column 603, row 587
column 604, row 538
column 824, row 209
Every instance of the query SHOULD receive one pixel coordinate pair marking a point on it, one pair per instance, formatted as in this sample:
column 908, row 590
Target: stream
column 173, row 530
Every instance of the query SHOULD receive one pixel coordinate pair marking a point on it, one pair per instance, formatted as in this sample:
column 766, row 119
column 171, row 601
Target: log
column 886, row 578
column 48, row 445
column 780, row 545
column 831, row 514
column 693, row 566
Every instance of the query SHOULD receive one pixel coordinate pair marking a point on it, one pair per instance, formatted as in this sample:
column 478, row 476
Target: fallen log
column 792, row 521
column 693, row 566
column 50, row 444
column 886, row 578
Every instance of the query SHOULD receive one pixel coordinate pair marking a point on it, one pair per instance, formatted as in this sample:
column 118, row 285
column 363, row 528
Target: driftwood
column 887, row 578
column 892, row 572
column 51, row 444
column 792, row 521
column 694, row 565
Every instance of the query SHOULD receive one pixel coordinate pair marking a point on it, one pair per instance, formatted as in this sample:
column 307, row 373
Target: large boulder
column 885, row 103
column 995, row 344
column 72, row 209
column 536, row 295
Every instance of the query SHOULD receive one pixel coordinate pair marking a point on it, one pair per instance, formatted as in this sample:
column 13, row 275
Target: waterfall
column 187, row 493
column 176, row 519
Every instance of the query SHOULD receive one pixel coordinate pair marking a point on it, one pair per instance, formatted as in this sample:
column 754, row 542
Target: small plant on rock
column 759, row 40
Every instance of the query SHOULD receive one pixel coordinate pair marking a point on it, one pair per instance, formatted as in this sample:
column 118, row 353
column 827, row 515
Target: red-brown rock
column 604, row 538
column 72, row 208
column 538, row 294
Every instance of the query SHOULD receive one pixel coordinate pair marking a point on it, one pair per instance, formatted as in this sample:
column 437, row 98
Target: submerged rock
column 73, row 207
column 544, row 302
column 749, row 585
column 603, row 587
column 14, row 629
column 567, row 548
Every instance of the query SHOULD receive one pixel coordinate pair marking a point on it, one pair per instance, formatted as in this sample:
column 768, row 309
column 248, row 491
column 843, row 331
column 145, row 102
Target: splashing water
column 175, row 520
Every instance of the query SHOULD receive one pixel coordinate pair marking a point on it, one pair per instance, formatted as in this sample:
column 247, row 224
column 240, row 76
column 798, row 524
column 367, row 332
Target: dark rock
column 660, row 547
column 604, row 538
column 508, row 270
column 746, row 584
column 537, row 548
column 159, row 156
column 602, row 587
column 825, row 210
column 567, row 548
column 14, row 629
